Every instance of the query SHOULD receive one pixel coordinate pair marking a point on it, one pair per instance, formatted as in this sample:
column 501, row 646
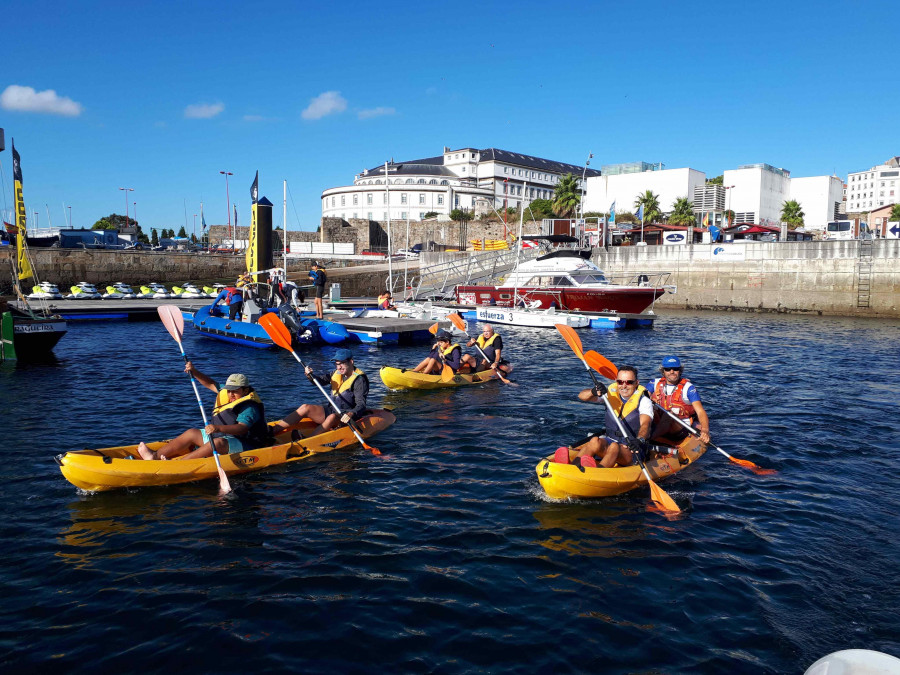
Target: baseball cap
column 443, row 335
column 342, row 355
column 236, row 381
column 671, row 362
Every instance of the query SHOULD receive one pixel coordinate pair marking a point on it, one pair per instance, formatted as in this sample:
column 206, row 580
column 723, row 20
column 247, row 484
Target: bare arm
column 200, row 377
column 644, row 432
column 703, row 418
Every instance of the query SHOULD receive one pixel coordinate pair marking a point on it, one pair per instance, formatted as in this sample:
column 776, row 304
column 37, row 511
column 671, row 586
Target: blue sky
column 162, row 96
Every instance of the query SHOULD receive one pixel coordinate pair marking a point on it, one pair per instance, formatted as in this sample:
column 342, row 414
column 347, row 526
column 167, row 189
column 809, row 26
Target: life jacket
column 626, row 411
column 224, row 414
column 232, row 291
column 674, row 402
column 486, row 347
column 384, row 302
column 340, row 389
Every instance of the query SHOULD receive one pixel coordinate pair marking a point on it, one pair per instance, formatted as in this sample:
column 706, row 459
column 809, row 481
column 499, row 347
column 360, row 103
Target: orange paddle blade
column 601, row 364
column 570, row 336
column 755, row 468
column 447, row 373
column 173, row 320
column 276, row 330
column 662, row 498
column 434, row 329
column 458, row 321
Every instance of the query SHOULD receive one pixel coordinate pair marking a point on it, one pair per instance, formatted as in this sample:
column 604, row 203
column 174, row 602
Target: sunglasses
column 668, row 369
column 624, row 382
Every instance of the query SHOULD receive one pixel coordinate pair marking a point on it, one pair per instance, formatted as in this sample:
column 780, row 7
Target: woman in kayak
column 238, row 422
column 441, row 354
column 349, row 389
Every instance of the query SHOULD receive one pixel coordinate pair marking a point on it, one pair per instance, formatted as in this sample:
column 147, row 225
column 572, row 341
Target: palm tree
column 792, row 214
column 568, row 195
column 682, row 212
column 650, row 202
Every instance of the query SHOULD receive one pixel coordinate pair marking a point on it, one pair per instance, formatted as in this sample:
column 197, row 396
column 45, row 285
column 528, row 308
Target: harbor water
column 442, row 554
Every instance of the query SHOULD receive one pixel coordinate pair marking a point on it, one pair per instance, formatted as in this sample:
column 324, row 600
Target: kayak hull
column 114, row 468
column 397, row 378
column 561, row 481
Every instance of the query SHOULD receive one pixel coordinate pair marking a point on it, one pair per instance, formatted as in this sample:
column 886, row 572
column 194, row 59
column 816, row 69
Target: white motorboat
column 84, row 291
column 119, row 291
column 533, row 317
column 45, row 291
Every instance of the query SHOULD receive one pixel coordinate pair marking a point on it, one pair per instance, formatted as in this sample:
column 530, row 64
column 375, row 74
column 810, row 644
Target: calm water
column 441, row 555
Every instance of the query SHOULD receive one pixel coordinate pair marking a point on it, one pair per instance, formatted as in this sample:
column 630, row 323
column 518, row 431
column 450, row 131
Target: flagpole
column 284, row 229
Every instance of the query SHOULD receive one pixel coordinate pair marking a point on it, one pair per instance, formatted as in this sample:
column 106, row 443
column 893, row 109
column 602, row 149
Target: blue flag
column 640, row 213
column 714, row 233
column 203, row 221
column 612, row 214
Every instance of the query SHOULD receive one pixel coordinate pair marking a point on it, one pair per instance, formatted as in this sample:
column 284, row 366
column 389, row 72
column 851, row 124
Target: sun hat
column 671, row 362
column 342, row 355
column 236, row 381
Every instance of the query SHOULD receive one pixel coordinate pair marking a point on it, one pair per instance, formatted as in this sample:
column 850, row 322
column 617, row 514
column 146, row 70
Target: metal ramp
column 440, row 279
column 864, row 274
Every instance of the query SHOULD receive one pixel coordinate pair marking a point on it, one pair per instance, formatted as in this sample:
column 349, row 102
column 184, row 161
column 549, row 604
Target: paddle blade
column 447, row 373
column 434, row 329
column 755, row 468
column 457, row 321
column 570, row 336
column 662, row 498
column 601, row 364
column 173, row 320
column 276, row 330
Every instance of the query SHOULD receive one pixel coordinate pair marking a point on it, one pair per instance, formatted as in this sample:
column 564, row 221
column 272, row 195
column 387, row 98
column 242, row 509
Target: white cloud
column 253, row 118
column 203, row 111
column 26, row 99
column 329, row 103
column 380, row 111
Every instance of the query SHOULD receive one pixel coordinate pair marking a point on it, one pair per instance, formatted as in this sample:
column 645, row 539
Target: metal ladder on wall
column 864, row 273
column 440, row 279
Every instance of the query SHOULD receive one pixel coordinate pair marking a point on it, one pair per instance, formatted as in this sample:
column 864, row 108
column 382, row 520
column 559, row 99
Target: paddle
column 599, row 363
column 458, row 321
column 658, row 495
column 281, row 336
column 174, row 322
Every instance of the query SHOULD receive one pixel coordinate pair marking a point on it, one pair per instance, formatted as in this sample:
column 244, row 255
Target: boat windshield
column 597, row 278
column 547, row 280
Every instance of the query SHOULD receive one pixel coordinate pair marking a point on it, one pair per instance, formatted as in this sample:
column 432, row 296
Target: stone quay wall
column 818, row 277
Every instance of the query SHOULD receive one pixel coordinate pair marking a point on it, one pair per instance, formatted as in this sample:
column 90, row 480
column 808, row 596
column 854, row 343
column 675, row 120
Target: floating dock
column 385, row 330
column 144, row 309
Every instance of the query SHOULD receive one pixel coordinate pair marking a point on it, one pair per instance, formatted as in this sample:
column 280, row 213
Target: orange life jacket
column 674, row 402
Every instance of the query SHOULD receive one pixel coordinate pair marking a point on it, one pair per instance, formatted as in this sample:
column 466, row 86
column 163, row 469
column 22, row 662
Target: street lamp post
column 228, row 207
column 135, row 213
column 70, row 217
column 194, row 232
column 126, row 190
column 583, row 175
column 727, row 202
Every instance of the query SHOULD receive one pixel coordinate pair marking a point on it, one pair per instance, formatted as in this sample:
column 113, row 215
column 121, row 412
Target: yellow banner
column 22, row 260
column 253, row 262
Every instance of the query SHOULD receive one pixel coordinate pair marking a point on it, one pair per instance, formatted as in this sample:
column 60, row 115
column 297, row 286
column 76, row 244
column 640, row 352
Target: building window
column 464, row 169
column 403, row 198
column 384, row 215
column 440, row 200
column 521, row 172
column 355, row 201
column 343, row 200
column 518, row 189
column 332, row 201
column 421, row 215
column 505, row 169
column 354, row 215
column 473, row 202
column 532, row 193
column 410, row 181
column 444, row 182
column 369, row 199
column 403, row 215
column 369, row 215
column 421, row 199
column 506, row 188
column 432, row 182
column 456, row 201
column 421, row 181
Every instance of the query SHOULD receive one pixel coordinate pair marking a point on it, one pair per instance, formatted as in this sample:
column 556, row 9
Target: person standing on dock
column 679, row 396
column 349, row 390
column 319, row 279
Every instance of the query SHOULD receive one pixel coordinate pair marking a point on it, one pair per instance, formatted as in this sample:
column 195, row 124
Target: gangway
column 440, row 279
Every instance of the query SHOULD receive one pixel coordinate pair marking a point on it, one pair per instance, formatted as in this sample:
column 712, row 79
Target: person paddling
column 491, row 344
column 238, row 422
column 633, row 409
column 678, row 395
column 349, row 389
column 441, row 354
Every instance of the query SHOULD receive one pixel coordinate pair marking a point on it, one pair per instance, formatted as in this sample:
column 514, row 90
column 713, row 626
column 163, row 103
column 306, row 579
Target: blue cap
column 342, row 355
column 671, row 362
column 444, row 335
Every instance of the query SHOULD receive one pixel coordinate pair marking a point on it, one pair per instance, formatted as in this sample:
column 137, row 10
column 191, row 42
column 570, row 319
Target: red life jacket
column 674, row 402
column 231, row 291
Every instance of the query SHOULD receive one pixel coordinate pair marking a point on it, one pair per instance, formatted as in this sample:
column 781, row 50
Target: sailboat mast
column 519, row 246
column 387, row 193
column 284, row 229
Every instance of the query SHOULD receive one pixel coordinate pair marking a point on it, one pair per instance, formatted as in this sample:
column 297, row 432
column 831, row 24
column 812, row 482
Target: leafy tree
column 626, row 217
column 541, row 208
column 277, row 229
column 792, row 214
column 596, row 214
column 567, row 196
column 141, row 237
column 729, row 218
column 895, row 212
column 650, row 202
column 718, row 180
column 154, row 237
column 181, row 232
column 682, row 212
column 460, row 215
column 431, row 214
column 103, row 224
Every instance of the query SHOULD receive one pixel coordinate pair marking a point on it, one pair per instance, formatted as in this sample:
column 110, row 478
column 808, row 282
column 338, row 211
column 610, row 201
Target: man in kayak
column 319, row 279
column 678, row 395
column 349, row 389
column 442, row 353
column 492, row 345
column 632, row 408
column 238, row 422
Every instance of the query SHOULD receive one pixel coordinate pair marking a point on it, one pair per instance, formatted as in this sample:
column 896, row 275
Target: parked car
column 406, row 254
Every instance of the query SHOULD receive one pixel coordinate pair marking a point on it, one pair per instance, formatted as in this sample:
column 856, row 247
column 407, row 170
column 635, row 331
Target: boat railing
column 440, row 279
column 648, row 279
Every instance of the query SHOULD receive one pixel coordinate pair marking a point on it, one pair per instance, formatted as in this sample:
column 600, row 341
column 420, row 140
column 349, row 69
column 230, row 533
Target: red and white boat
column 566, row 279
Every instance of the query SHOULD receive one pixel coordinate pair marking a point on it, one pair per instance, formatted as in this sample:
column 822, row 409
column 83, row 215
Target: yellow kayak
column 121, row 467
column 400, row 378
column 570, row 480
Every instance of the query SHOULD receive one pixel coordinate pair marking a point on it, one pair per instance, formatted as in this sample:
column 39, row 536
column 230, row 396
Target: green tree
column 541, row 208
column 792, row 214
column 194, row 238
column 895, row 212
column 141, row 237
column 650, row 202
column 103, row 224
column 718, row 180
column 626, row 217
column 567, row 196
column 181, row 232
column 461, row 215
column 682, row 212
column 596, row 214
column 729, row 218
column 431, row 214
column 154, row 237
